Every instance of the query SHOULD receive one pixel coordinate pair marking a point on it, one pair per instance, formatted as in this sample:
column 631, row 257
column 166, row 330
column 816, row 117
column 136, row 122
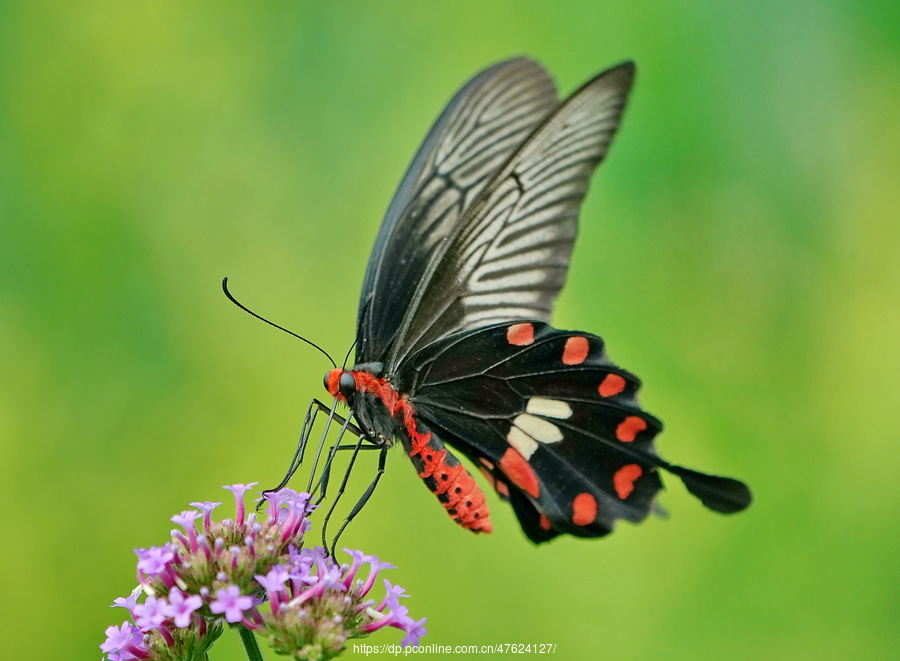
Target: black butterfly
column 454, row 345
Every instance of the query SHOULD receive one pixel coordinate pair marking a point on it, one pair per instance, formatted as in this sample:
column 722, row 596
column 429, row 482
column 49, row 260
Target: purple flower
column 150, row 614
column 301, row 572
column 392, row 598
column 206, row 507
column 332, row 578
column 274, row 581
column 232, row 603
column 181, row 607
column 127, row 602
column 359, row 558
column 377, row 566
column 201, row 579
column 155, row 560
column 123, row 642
column 186, row 519
column 414, row 632
column 239, row 490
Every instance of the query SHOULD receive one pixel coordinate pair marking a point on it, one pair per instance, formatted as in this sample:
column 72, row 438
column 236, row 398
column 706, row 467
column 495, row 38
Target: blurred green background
column 739, row 251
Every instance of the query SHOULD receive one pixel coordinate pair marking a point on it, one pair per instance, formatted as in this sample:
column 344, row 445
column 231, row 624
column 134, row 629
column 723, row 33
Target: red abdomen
column 446, row 477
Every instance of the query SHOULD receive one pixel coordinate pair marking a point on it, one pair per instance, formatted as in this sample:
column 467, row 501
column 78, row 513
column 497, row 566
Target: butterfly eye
column 347, row 384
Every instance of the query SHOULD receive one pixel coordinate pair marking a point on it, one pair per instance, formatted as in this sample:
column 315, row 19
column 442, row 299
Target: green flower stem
column 250, row 645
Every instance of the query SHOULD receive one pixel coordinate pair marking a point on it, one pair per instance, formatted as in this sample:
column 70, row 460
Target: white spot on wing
column 527, row 429
column 552, row 408
column 521, row 441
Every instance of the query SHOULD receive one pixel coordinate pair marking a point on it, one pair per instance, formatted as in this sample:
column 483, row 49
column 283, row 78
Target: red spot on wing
column 629, row 428
column 499, row 487
column 516, row 468
column 584, row 509
column 544, row 522
column 520, row 334
column 624, row 479
column 576, row 351
column 612, row 384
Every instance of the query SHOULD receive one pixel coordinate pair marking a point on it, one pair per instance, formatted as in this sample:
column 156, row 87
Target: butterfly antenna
column 347, row 357
column 282, row 328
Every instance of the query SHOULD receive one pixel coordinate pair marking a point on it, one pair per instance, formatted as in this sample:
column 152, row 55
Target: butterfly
column 454, row 346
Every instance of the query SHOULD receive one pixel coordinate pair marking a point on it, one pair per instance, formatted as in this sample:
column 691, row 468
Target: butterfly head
column 340, row 383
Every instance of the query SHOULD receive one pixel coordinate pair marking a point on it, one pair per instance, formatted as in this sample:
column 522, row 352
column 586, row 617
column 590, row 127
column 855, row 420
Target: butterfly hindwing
column 549, row 418
column 533, row 523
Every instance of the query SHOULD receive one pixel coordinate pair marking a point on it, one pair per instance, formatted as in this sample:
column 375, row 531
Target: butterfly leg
column 308, row 421
column 345, row 425
column 363, row 443
column 382, row 459
column 322, row 484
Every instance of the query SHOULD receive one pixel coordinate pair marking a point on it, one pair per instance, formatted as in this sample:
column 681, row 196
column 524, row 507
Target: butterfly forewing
column 508, row 255
column 485, row 122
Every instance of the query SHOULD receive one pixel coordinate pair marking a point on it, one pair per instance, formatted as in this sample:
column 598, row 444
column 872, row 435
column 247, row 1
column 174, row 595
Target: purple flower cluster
column 252, row 574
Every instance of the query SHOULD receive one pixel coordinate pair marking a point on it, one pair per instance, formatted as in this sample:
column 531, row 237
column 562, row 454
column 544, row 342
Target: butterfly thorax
column 385, row 415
